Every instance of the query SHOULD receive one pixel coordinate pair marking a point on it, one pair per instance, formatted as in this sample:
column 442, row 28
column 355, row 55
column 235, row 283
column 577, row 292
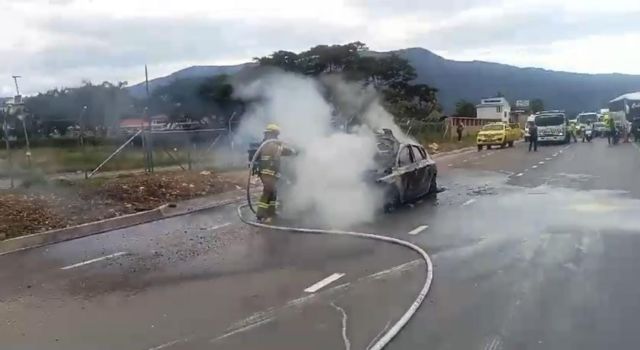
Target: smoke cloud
column 327, row 185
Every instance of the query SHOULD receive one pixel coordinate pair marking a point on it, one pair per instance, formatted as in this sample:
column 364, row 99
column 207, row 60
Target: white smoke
column 328, row 181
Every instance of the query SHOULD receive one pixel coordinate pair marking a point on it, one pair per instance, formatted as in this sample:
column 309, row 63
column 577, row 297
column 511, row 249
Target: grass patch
column 51, row 160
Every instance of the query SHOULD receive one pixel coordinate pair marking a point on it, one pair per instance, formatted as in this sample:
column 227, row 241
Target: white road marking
column 270, row 313
column 519, row 174
column 468, row 202
column 466, row 160
column 494, row 344
column 547, row 159
column 418, row 229
column 535, row 166
column 240, row 330
column 218, row 226
column 540, row 162
column 347, row 343
column 324, row 282
column 111, row 256
column 555, row 154
column 171, row 343
column 449, row 164
column 560, row 151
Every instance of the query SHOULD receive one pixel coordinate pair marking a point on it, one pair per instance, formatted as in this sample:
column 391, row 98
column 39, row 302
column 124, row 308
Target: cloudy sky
column 61, row 42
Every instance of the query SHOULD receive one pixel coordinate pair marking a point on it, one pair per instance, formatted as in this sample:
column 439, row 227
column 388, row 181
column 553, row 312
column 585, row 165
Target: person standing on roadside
column 533, row 137
column 459, row 130
column 572, row 132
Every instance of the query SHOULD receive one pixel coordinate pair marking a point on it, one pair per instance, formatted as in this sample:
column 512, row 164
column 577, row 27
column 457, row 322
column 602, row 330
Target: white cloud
column 59, row 42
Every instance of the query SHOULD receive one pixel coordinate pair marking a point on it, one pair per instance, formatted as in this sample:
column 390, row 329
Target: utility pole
column 5, row 129
column 82, row 122
column 149, row 140
column 15, row 80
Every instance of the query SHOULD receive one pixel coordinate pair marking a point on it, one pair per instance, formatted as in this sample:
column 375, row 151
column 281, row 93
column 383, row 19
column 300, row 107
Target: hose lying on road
column 404, row 319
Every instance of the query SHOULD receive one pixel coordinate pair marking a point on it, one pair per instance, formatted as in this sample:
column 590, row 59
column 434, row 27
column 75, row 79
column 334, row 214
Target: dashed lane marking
column 533, row 167
column 466, row 160
column 170, row 344
column 519, row 174
column 259, row 318
column 540, row 162
column 324, row 282
column 555, row 154
column 547, row 159
column 87, row 262
column 418, row 229
column 213, row 228
column 449, row 165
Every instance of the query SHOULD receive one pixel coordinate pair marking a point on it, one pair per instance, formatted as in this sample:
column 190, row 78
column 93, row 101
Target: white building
column 494, row 108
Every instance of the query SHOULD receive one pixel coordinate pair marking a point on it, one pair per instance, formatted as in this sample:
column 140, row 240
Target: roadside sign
column 522, row 103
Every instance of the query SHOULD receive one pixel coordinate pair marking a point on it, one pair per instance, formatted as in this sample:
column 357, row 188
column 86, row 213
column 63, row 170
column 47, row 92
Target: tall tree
column 536, row 105
column 105, row 104
column 388, row 73
column 465, row 109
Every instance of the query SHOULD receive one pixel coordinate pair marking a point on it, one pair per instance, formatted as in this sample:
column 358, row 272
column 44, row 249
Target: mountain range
column 474, row 80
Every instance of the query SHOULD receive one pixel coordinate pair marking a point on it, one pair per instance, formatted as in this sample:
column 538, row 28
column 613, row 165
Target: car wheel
column 503, row 145
column 510, row 143
column 488, row 146
column 433, row 186
column 392, row 200
column 479, row 147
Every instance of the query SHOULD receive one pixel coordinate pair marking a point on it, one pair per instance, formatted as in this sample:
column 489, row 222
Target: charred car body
column 404, row 171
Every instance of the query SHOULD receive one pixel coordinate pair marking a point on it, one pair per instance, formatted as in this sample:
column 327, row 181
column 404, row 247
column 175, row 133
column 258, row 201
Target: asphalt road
column 531, row 251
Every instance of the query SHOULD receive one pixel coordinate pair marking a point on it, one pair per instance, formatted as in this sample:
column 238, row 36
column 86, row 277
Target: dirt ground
column 63, row 203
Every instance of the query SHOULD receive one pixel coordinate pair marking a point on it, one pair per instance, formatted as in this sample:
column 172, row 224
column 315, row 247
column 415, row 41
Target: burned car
column 405, row 170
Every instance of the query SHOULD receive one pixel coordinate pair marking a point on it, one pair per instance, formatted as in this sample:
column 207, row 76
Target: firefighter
column 269, row 165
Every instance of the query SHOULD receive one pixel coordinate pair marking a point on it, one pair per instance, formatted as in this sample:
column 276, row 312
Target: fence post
column 5, row 128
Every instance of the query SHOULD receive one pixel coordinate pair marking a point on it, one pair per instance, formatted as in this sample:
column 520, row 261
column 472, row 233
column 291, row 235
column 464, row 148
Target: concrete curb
column 69, row 233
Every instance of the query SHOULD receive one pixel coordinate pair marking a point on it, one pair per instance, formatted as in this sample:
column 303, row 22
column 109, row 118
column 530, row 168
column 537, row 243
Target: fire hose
column 404, row 319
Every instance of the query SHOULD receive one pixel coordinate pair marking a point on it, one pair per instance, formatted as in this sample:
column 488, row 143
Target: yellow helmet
column 273, row 128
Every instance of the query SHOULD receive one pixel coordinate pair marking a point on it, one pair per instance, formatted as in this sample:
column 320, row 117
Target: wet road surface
column 531, row 251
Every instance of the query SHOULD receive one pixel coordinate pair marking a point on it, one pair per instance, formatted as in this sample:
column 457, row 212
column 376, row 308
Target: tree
column 195, row 98
column 465, row 109
column 105, row 104
column 390, row 74
column 537, row 105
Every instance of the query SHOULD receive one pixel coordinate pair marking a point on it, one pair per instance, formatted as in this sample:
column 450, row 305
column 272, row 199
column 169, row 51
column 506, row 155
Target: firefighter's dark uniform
column 269, row 174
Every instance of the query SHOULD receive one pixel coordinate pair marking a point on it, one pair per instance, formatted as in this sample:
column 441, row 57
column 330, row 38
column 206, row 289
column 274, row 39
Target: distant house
column 494, row 108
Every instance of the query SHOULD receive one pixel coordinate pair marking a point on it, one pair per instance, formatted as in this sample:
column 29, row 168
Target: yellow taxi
column 498, row 134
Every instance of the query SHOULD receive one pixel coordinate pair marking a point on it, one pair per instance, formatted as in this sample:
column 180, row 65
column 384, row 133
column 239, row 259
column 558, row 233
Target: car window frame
column 411, row 157
column 420, row 151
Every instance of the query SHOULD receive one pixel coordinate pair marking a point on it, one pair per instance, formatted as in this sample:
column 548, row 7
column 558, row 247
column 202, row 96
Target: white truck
column 553, row 126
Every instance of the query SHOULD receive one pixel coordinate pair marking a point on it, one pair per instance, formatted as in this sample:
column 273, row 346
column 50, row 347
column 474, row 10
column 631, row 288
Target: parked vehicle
column 600, row 129
column 497, row 134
